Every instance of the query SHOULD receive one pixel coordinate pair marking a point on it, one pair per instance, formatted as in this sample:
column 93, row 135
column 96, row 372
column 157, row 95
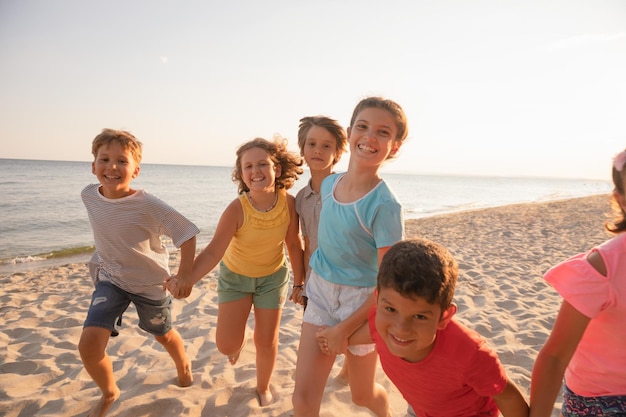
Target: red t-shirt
column 458, row 378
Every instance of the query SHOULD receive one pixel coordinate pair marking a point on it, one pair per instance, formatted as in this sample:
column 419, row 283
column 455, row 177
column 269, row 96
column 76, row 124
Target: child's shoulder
column 90, row 189
column 462, row 336
column 330, row 180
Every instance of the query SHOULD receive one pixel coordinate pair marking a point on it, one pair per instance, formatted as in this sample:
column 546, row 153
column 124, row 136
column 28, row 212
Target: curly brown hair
column 290, row 162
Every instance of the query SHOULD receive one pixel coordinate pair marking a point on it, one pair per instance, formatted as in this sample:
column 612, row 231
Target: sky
column 489, row 87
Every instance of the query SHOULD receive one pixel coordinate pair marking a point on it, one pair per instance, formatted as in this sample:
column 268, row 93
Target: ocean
column 45, row 223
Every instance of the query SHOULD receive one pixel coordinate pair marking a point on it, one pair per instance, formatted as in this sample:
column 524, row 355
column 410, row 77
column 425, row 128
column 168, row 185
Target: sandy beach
column 502, row 254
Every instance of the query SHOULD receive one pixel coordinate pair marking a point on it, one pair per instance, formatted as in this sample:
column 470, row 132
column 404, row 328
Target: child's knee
column 168, row 338
column 93, row 341
column 229, row 347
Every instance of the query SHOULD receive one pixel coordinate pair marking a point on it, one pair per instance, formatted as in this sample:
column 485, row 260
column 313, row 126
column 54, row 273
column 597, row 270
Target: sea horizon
column 45, row 223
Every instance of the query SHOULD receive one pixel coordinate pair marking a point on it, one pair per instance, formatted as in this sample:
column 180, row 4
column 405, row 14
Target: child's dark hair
column 124, row 138
column 291, row 163
column 385, row 104
column 618, row 223
column 420, row 268
column 335, row 129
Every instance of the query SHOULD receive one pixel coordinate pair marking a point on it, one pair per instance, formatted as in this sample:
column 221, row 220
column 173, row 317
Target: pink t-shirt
column 458, row 378
column 598, row 366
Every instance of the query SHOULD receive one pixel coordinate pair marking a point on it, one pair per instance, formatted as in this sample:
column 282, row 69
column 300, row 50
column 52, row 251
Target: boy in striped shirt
column 131, row 262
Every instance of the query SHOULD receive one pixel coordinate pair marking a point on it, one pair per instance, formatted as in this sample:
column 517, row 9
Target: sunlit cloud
column 587, row 39
column 164, row 59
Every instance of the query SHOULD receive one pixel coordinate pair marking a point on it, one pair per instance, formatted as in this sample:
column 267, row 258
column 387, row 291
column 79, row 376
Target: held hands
column 296, row 294
column 331, row 341
column 179, row 287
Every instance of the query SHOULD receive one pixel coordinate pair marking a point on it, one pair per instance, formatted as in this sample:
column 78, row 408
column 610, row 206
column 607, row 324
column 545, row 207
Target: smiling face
column 409, row 326
column 320, row 149
column 115, row 168
column 258, row 171
column 372, row 136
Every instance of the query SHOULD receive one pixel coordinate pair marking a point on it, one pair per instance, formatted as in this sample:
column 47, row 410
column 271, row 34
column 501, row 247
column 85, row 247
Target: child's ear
column 395, row 149
column 446, row 316
column 136, row 173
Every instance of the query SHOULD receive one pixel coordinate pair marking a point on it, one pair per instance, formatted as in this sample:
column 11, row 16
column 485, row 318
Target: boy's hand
column 178, row 286
column 171, row 284
column 322, row 342
column 331, row 341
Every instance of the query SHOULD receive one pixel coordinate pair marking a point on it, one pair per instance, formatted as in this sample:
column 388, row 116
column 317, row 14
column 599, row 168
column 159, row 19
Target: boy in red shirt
column 441, row 367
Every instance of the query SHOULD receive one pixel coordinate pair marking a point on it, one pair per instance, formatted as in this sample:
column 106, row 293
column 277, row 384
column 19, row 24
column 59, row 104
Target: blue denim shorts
column 109, row 302
column 605, row 406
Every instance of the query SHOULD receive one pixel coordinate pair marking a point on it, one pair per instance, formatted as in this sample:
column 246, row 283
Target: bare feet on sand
column 103, row 406
column 185, row 377
column 265, row 398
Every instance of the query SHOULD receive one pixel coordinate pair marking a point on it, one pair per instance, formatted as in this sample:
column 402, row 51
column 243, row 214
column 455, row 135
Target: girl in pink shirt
column 587, row 344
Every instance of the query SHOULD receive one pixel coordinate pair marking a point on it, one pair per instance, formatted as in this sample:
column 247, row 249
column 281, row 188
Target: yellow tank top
column 257, row 249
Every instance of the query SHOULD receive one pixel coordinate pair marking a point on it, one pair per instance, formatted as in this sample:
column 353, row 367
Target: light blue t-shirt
column 350, row 234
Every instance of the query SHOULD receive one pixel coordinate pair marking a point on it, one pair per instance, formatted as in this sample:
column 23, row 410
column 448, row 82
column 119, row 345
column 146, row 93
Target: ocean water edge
column 44, row 222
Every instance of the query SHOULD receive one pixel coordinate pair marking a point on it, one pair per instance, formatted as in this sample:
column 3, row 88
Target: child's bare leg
column 365, row 391
column 173, row 343
column 342, row 376
column 312, row 370
column 266, row 322
column 92, row 348
column 230, row 336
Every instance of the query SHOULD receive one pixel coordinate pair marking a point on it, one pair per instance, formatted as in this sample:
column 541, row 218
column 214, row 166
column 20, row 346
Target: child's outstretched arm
column 337, row 336
column 229, row 222
column 361, row 336
column 511, row 402
column 554, row 357
column 187, row 254
column 293, row 242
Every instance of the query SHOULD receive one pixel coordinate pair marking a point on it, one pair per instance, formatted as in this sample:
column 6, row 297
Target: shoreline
column 502, row 254
column 43, row 261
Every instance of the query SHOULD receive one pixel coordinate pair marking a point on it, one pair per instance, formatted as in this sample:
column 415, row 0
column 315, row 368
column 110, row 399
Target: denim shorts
column 605, row 406
column 109, row 302
column 267, row 292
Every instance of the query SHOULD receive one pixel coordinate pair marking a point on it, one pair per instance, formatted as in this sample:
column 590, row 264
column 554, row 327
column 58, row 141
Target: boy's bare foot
column 185, row 377
column 103, row 406
column 265, row 398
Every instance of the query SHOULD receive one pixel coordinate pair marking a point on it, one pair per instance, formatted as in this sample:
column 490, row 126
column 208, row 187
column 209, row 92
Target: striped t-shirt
column 128, row 233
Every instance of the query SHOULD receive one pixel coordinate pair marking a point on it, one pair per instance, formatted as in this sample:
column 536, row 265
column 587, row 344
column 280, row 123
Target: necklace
column 267, row 209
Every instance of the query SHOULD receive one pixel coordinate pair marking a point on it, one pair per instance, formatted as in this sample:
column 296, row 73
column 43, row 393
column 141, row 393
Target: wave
column 57, row 254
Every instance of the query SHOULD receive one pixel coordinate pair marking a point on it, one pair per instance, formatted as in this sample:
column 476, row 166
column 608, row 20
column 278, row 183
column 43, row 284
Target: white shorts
column 330, row 304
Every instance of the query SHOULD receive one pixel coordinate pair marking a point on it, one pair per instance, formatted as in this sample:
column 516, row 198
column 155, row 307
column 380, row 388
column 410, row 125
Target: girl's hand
column 296, row 294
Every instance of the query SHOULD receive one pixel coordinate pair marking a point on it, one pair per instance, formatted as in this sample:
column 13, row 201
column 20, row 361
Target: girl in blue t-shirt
column 360, row 219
